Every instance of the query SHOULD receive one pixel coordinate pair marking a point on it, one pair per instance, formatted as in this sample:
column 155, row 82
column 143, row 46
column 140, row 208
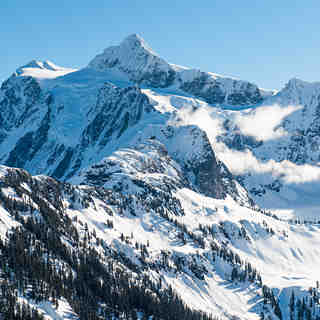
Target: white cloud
column 288, row 172
column 262, row 122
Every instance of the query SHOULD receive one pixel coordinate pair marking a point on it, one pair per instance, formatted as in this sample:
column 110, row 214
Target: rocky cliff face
column 157, row 165
column 191, row 148
column 19, row 99
column 219, row 90
column 25, row 114
column 115, row 111
column 31, row 117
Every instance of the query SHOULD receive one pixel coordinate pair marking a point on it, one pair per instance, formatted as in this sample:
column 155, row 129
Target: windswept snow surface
column 288, row 259
column 61, row 311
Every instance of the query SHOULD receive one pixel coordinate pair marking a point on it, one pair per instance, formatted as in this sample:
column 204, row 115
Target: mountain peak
column 134, row 41
column 134, row 37
column 134, row 58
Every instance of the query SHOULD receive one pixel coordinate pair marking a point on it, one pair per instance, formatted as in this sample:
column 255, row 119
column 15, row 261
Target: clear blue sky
column 267, row 42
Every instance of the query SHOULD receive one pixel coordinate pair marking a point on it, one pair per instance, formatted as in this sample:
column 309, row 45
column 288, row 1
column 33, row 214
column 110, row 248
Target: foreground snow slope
column 186, row 240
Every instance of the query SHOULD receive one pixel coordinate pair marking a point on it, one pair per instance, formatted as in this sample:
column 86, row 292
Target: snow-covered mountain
column 190, row 189
column 139, row 63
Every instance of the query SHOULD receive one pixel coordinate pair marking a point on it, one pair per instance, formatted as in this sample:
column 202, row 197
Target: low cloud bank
column 262, row 123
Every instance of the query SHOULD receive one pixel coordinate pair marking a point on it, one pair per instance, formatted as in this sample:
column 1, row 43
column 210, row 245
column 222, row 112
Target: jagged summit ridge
column 134, row 58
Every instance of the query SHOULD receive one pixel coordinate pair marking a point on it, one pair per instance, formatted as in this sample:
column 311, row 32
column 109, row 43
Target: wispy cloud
column 263, row 123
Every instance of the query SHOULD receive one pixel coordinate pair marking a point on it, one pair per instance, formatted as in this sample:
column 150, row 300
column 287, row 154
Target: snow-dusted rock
column 216, row 89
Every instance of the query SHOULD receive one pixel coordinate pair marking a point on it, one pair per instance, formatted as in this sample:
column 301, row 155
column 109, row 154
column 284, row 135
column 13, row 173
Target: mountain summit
column 134, row 40
column 135, row 58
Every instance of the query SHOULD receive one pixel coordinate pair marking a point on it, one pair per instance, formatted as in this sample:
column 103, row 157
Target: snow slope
column 190, row 239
